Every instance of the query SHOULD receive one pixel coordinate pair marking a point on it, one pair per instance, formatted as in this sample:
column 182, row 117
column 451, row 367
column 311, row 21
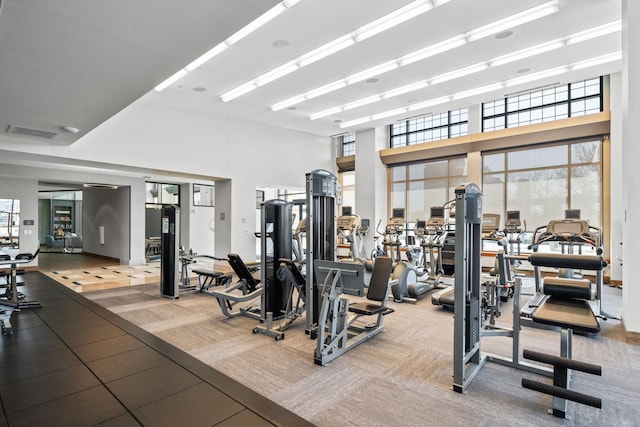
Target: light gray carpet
column 402, row 377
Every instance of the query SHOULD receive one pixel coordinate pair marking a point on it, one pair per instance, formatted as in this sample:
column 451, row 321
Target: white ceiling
column 77, row 63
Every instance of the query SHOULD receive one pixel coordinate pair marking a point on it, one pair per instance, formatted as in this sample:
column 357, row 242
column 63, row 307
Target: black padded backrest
column 380, row 279
column 582, row 262
column 27, row 255
column 241, row 270
column 5, row 257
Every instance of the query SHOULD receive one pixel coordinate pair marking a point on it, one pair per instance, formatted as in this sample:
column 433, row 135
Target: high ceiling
column 77, row 63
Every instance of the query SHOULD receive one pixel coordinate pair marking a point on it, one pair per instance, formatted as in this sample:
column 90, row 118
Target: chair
column 53, row 243
column 74, row 244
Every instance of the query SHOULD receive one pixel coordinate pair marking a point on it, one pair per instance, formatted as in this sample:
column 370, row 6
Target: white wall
column 249, row 154
column 617, row 209
column 108, row 209
column 630, row 160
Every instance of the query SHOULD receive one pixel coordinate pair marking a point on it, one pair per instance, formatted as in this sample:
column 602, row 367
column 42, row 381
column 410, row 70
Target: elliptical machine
column 431, row 234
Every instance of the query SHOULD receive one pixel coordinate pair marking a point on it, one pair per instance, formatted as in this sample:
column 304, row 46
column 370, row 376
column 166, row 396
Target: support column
column 631, row 159
column 371, row 180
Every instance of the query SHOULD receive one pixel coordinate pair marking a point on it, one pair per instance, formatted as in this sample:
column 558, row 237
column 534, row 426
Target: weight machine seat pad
column 567, row 288
column 366, row 308
column 567, row 313
column 580, row 262
column 208, row 273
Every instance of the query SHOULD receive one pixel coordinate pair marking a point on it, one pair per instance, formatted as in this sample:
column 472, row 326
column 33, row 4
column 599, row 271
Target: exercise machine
column 352, row 230
column 13, row 300
column 431, row 233
column 568, row 233
column 338, row 327
column 565, row 307
column 321, row 189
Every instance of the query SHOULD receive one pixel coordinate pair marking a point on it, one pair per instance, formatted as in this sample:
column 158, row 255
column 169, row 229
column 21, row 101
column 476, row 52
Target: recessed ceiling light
column 199, row 89
column 292, row 108
column 524, row 70
column 372, row 80
column 504, row 35
column 280, row 43
column 70, row 129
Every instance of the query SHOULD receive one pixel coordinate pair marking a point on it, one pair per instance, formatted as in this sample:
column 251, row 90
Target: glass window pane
column 539, row 195
column 417, row 171
column 493, row 163
column 398, row 173
column 398, row 195
column 538, row 158
column 458, row 167
column 586, row 152
column 417, row 200
column 436, row 169
column 585, row 192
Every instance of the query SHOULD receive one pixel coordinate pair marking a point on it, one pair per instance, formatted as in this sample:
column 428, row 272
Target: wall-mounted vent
column 31, row 133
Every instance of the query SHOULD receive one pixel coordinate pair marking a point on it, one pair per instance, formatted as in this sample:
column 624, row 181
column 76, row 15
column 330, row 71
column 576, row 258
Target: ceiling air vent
column 31, row 133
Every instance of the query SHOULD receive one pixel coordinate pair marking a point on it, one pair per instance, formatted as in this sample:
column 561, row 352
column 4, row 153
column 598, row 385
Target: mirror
column 9, row 223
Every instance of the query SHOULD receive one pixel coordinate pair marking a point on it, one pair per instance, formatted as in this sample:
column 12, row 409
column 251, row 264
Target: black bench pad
column 572, row 314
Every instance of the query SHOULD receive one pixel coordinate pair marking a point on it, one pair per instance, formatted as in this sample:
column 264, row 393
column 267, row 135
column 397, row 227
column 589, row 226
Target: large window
column 418, row 187
column 429, row 128
column 348, row 144
column 542, row 182
column 543, row 105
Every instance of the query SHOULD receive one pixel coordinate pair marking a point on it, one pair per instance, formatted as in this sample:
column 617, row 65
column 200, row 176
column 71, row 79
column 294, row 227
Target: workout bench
column 209, row 278
column 565, row 305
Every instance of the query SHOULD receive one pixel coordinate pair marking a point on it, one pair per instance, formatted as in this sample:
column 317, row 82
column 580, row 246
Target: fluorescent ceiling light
column 276, row 73
column 432, row 50
column 454, row 42
column 243, row 32
column 392, row 19
column 256, row 23
column 521, row 54
column 592, row 33
column 429, row 103
column 492, row 87
column 326, row 50
column 476, row 91
column 389, row 113
column 355, row 122
column 459, row 73
column 537, row 76
column 240, row 90
column 360, row 102
column 288, row 102
column 616, row 56
column 177, row 76
column 526, row 53
column 373, row 71
column 405, row 89
column 325, row 113
column 514, row 20
column 325, row 89
column 207, row 56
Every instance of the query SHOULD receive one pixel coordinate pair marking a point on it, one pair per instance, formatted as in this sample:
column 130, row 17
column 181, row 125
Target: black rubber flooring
column 74, row 363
